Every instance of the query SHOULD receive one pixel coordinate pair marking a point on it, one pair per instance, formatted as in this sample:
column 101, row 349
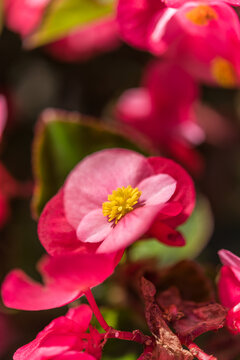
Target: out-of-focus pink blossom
column 7, row 333
column 23, row 16
column 205, row 36
column 229, row 288
column 65, row 279
column 3, row 114
column 64, row 338
column 163, row 109
column 86, row 41
column 146, row 196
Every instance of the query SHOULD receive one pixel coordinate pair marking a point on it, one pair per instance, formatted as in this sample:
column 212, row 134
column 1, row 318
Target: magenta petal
column 55, row 233
column 74, row 355
column 166, row 234
column 229, row 259
column 229, row 286
column 90, row 182
column 66, row 277
column 94, row 227
column 185, row 191
column 233, row 319
column 81, row 315
column 157, row 189
column 130, row 228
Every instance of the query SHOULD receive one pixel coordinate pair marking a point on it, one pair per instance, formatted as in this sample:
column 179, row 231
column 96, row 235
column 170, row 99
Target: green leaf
column 61, row 140
column 62, row 16
column 197, row 231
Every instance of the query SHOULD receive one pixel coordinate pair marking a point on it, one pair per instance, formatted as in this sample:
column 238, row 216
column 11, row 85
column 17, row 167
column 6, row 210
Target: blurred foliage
column 63, row 16
column 63, row 139
column 197, row 232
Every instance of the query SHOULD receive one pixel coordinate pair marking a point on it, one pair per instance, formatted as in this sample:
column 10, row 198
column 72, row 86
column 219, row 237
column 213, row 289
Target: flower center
column 223, row 72
column 201, row 15
column 121, row 202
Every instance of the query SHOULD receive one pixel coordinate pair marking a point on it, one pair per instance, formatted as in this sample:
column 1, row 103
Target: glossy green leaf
column 197, row 231
column 62, row 139
column 62, row 16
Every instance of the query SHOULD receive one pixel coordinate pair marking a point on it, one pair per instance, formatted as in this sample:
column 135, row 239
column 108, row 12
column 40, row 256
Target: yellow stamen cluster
column 201, row 15
column 121, row 202
column 223, row 72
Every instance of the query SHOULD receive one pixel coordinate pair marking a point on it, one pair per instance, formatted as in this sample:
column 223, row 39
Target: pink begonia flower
column 65, row 279
column 23, row 16
column 163, row 112
column 146, row 196
column 229, row 288
column 87, row 41
column 63, row 338
column 203, row 35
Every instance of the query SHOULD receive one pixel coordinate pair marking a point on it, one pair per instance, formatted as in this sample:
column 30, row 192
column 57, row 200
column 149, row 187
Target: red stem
column 96, row 310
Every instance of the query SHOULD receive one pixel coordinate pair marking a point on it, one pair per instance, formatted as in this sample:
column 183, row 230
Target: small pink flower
column 23, row 16
column 64, row 338
column 87, row 41
column 204, row 36
column 229, row 288
column 114, row 197
column 65, row 279
column 150, row 110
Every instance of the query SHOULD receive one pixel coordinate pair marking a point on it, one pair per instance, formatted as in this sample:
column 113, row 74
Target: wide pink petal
column 157, row 189
column 74, row 355
column 94, row 227
column 229, row 259
column 86, row 41
column 229, row 286
column 166, row 234
column 185, row 191
column 90, row 182
column 66, row 278
column 55, row 233
column 130, row 228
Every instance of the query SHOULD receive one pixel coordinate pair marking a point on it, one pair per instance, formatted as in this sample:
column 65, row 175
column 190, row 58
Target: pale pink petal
column 185, row 191
column 90, row 182
column 192, row 132
column 130, row 228
column 157, row 189
column 94, row 227
column 67, row 278
column 229, row 259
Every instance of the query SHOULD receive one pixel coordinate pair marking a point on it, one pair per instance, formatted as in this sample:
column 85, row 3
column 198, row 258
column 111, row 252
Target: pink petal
column 74, row 355
column 157, row 189
column 94, row 227
column 24, row 15
column 184, row 193
column 90, row 182
column 229, row 259
column 65, row 277
column 229, row 286
column 87, row 41
column 233, row 319
column 55, row 233
column 81, row 315
column 166, row 234
column 130, row 228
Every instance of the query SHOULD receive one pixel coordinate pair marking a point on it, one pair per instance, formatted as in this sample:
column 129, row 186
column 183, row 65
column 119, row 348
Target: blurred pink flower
column 163, row 109
column 3, row 114
column 23, row 16
column 229, row 288
column 65, row 279
column 64, row 338
column 146, row 196
column 204, row 36
column 87, row 41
